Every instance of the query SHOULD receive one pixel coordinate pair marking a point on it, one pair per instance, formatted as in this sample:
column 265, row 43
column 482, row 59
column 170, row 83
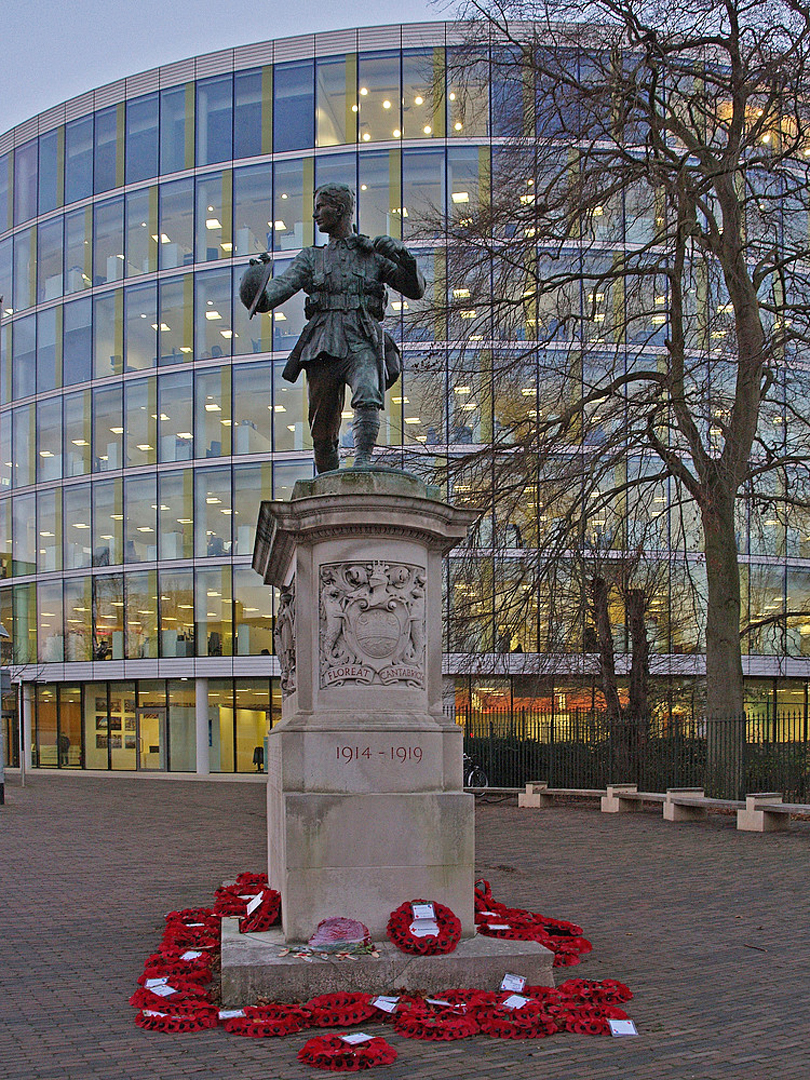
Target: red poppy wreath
column 400, row 933
column 333, row 1053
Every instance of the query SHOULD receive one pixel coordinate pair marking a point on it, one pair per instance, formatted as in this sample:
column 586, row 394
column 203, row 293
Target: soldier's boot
column 327, row 458
column 365, row 429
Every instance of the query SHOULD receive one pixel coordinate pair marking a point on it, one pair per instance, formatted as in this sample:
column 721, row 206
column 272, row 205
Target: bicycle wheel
column 476, row 777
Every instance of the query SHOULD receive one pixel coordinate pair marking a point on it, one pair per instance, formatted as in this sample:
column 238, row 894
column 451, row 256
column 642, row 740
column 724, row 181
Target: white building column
column 201, row 721
column 28, row 711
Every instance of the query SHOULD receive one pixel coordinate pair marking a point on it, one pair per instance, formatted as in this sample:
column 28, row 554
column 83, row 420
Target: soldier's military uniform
column 343, row 343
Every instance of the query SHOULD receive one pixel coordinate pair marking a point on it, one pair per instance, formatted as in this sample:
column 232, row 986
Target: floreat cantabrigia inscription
column 372, row 623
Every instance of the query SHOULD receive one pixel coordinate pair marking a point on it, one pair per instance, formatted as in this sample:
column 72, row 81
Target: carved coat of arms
column 372, row 623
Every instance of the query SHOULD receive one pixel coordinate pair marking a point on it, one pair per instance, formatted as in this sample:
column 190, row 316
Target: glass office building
column 143, row 417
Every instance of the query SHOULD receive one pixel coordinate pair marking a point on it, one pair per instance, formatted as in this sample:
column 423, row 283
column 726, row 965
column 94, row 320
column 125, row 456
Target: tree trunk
column 724, row 676
column 604, row 637
column 640, row 650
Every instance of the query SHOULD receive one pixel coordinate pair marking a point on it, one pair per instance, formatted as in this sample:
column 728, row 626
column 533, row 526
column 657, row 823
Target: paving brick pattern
column 708, row 926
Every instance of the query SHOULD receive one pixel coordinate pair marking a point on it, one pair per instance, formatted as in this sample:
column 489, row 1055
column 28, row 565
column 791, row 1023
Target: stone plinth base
column 252, row 967
column 351, row 854
column 365, row 800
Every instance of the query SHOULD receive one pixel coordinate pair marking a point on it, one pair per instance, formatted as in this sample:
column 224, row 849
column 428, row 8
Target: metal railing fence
column 727, row 757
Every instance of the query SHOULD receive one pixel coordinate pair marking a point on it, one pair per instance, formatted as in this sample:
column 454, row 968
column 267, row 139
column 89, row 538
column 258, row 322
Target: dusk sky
column 53, row 51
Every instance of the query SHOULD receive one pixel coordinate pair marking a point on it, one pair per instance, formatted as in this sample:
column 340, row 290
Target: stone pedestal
column 365, row 801
column 253, row 966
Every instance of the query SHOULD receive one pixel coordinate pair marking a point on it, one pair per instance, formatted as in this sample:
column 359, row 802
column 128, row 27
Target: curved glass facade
column 143, row 417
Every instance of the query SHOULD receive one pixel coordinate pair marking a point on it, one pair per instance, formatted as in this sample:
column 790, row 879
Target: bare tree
column 638, row 269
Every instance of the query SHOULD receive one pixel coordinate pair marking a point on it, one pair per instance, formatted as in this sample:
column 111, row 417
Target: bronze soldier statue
column 343, row 343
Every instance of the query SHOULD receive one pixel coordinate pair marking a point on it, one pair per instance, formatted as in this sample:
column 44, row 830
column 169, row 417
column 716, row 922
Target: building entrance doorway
column 151, row 732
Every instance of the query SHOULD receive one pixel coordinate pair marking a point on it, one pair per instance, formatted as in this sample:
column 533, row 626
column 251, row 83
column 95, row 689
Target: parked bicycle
column 474, row 775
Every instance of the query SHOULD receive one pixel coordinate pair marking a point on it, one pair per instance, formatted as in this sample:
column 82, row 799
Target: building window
column 213, row 421
column 5, row 192
column 336, row 100
column 108, row 522
column 108, row 428
column 293, row 192
column 214, row 612
column 24, row 348
column 24, row 446
column 49, row 531
column 25, row 182
column 175, row 329
column 49, row 439
column 140, row 420
column 214, row 216
column 177, row 128
column 141, row 138
column 24, row 536
column 108, row 169
column 24, row 600
column 108, row 333
column 78, row 266
column 182, row 725
column 176, row 514
column 79, row 620
column 108, row 238
column 253, row 712
column 290, row 426
column 142, row 236
column 140, row 519
column 253, row 613
column 293, row 106
column 176, row 612
column 142, row 615
column 79, row 159
column 213, row 512
column 50, row 631
column 213, row 331
column 140, row 326
column 175, row 417
column 251, row 484
column 50, row 245
column 423, row 94
column 214, row 119
column 253, row 408
column 379, row 97
column 51, row 169
column 253, row 112
column 76, row 433
column 176, row 237
column 46, row 730
column 78, row 539
column 77, row 347
column 25, row 268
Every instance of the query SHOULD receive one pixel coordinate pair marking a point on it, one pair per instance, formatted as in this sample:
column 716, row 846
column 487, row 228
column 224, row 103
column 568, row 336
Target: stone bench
column 538, row 794
column 760, row 812
column 764, row 811
column 626, row 798
column 690, row 804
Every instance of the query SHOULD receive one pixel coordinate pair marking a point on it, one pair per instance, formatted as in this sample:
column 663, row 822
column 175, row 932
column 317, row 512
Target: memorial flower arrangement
column 334, row 1053
column 174, row 992
column 400, row 930
column 494, row 919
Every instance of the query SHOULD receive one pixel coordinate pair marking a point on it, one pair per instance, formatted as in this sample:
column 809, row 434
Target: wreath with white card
column 424, row 928
column 347, row 1053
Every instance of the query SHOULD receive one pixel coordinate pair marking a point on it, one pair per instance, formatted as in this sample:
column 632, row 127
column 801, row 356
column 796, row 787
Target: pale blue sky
column 54, row 50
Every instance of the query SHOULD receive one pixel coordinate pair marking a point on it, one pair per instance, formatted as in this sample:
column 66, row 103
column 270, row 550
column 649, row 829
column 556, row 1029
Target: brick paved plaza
column 709, row 927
